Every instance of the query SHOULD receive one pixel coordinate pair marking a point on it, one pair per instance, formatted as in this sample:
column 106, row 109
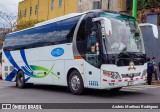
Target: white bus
column 96, row 49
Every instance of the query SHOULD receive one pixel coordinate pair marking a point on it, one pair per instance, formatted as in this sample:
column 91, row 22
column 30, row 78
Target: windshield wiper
column 132, row 55
column 124, row 49
column 123, row 55
column 138, row 54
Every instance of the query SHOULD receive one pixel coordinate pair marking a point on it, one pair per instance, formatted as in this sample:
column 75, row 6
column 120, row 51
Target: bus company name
column 57, row 52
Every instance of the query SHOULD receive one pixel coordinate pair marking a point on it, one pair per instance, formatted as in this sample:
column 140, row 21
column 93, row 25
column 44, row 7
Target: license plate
column 130, row 83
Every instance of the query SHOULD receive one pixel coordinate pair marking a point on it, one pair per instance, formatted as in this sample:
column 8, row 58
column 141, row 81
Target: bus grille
column 131, row 75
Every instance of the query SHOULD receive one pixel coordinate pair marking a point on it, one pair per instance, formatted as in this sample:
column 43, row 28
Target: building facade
column 45, row 9
column 48, row 9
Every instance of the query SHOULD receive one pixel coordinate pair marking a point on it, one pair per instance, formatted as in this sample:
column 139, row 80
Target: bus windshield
column 126, row 35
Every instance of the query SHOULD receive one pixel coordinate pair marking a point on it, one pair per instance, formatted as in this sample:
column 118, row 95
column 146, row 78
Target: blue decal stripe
column 26, row 80
column 11, row 75
column 26, row 71
column 24, row 59
column 14, row 72
column 11, row 60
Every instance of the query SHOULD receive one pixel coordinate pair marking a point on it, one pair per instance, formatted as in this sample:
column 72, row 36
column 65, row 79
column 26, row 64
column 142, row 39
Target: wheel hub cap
column 75, row 82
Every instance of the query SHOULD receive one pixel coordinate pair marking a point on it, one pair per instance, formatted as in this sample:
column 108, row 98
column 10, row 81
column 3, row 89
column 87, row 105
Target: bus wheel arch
column 74, row 74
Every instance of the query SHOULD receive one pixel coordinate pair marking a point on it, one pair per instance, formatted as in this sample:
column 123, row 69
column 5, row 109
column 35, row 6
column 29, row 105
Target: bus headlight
column 113, row 75
column 106, row 73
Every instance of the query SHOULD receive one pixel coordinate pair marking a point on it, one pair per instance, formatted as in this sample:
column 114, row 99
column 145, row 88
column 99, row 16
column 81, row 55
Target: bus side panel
column 93, row 76
column 42, row 72
column 36, row 64
column 60, row 79
column 43, row 64
column 60, row 64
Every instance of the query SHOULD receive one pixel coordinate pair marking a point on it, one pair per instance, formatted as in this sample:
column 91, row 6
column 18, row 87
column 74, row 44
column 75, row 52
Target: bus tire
column 20, row 79
column 75, row 83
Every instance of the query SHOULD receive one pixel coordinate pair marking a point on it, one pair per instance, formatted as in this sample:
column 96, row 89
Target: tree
column 27, row 24
column 8, row 22
column 148, row 3
column 8, row 19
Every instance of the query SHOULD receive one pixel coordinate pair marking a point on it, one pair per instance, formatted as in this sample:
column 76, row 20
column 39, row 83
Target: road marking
column 146, row 86
column 139, row 88
column 3, row 87
column 128, row 90
column 6, row 86
column 134, row 88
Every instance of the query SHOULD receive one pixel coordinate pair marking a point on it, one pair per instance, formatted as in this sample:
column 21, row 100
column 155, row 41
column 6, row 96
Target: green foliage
column 27, row 24
column 148, row 3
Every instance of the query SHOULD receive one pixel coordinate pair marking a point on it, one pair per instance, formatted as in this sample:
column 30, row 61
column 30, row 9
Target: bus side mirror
column 154, row 28
column 106, row 24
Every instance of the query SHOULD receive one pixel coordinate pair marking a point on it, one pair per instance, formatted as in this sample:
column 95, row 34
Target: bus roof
column 51, row 21
column 66, row 17
column 58, row 19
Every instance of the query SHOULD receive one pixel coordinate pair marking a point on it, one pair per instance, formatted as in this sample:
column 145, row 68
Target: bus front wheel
column 20, row 80
column 75, row 83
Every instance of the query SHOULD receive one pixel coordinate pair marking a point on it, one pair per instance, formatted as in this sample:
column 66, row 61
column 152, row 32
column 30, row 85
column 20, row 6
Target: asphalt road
column 53, row 94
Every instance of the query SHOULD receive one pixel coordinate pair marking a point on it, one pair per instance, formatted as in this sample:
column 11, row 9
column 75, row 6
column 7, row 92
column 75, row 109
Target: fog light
column 111, row 84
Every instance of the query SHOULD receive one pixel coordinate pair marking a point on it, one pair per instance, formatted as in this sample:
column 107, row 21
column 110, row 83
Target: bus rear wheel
column 20, row 80
column 75, row 83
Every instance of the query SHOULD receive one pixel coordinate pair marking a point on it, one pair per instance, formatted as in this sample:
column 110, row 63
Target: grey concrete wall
column 113, row 5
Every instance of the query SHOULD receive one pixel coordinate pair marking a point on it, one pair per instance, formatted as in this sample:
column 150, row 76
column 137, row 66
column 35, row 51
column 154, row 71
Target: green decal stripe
column 42, row 70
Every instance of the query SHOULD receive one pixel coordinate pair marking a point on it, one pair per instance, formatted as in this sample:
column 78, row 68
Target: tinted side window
column 92, row 41
column 81, row 42
column 89, row 23
column 50, row 34
column 9, row 42
column 81, row 31
column 67, row 29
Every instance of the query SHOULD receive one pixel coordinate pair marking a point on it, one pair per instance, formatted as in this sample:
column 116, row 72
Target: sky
column 10, row 6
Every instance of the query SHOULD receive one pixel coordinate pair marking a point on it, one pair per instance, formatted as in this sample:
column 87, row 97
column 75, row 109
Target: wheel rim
column 75, row 83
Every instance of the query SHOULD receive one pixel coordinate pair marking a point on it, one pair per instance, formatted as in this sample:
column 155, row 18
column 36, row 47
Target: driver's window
column 92, row 54
column 92, row 40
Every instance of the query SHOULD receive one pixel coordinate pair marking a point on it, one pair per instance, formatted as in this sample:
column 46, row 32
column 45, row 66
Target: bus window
column 81, row 43
column 92, row 48
column 92, row 40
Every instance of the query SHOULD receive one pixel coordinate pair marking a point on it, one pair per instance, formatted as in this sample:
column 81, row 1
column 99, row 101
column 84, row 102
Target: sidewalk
column 154, row 82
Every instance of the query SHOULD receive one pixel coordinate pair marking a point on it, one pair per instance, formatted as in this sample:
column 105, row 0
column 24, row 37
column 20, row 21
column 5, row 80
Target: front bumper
column 109, row 84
